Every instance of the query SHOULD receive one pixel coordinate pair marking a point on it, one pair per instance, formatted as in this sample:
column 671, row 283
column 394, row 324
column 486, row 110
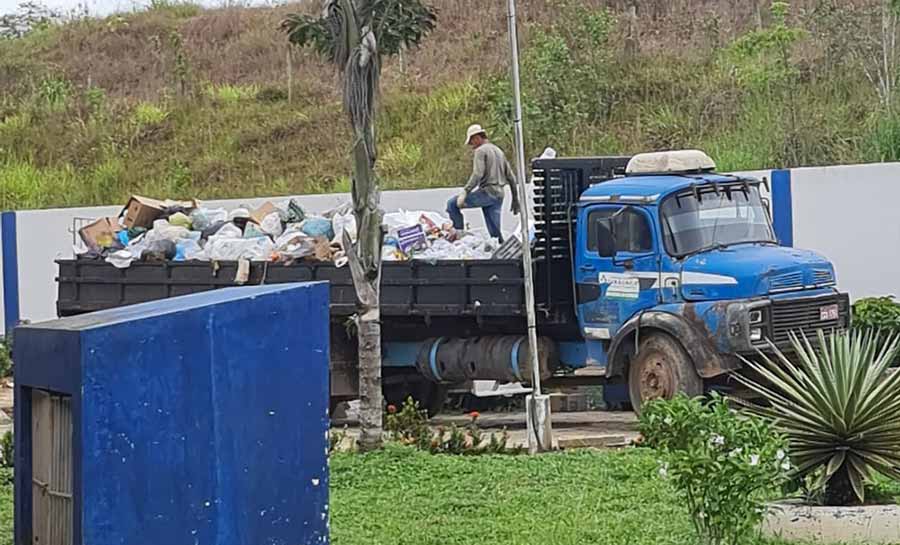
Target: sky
column 105, row 7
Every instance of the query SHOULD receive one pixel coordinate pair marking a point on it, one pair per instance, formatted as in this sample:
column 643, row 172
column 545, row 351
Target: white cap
column 472, row 131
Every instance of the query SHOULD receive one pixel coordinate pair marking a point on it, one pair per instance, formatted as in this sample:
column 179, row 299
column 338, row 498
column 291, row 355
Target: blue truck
column 652, row 272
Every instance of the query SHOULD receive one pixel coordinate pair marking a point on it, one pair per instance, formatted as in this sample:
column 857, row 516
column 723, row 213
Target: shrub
column 6, row 362
column 230, row 94
column 147, row 115
column 7, row 450
column 409, row 426
column 877, row 313
column 837, row 403
column 721, row 463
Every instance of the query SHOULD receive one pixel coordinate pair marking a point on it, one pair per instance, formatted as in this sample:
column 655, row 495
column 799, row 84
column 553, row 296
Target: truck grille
column 804, row 316
column 787, row 281
column 823, row 276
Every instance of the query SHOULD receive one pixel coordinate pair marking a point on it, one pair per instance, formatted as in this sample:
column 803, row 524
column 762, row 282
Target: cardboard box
column 141, row 211
column 260, row 213
column 101, row 233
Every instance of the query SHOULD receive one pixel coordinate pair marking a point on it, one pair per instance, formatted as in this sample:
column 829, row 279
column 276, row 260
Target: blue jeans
column 490, row 206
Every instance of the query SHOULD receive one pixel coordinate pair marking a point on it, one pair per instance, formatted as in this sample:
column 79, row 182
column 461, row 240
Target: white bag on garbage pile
column 204, row 217
column 232, row 249
column 294, row 243
column 238, row 213
column 121, row 259
column 188, row 250
column 229, row 230
column 271, row 224
column 163, row 230
column 341, row 223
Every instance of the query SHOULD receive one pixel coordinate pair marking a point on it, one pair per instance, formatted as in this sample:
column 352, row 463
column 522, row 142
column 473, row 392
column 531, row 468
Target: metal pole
column 539, row 435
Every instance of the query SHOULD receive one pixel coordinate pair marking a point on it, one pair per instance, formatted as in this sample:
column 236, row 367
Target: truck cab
column 677, row 273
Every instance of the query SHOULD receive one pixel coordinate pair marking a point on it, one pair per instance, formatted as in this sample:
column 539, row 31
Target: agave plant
column 838, row 403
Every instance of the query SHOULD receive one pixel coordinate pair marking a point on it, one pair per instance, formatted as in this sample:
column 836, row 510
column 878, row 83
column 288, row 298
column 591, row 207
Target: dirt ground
column 597, row 429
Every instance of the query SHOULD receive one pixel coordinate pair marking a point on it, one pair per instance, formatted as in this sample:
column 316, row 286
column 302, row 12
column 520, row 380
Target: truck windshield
column 694, row 222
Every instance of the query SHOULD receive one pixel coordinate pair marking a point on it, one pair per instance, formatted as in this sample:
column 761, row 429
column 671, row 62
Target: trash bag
column 181, row 220
column 188, row 250
column 253, row 230
column 203, row 218
column 295, row 212
column 163, row 230
column 226, row 230
column 318, row 227
column 159, row 250
column 123, row 237
column 341, row 223
column 232, row 249
column 294, row 244
column 121, row 259
column 271, row 224
column 213, row 229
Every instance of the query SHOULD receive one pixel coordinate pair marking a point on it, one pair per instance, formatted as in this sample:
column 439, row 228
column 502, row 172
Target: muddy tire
column 661, row 370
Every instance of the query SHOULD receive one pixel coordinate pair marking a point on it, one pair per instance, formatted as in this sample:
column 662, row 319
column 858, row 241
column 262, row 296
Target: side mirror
column 606, row 238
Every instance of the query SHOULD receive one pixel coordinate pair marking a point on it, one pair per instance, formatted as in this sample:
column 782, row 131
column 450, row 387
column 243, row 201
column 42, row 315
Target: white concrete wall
column 46, row 235
column 850, row 214
column 845, row 212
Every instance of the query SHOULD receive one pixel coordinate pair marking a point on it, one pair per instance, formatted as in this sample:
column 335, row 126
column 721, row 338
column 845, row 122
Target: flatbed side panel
column 412, row 288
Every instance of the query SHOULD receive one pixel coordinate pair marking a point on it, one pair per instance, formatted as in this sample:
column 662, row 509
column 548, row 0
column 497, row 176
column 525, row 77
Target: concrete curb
column 870, row 524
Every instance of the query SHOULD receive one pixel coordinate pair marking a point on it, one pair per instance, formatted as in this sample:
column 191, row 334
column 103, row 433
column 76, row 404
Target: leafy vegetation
column 724, row 465
column 803, row 84
column 409, row 426
column 404, row 496
column 877, row 313
column 836, row 401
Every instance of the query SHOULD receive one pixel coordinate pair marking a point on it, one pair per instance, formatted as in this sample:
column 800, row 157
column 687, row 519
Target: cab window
column 633, row 232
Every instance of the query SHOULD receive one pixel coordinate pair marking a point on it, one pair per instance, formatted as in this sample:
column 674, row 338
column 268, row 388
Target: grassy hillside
column 177, row 101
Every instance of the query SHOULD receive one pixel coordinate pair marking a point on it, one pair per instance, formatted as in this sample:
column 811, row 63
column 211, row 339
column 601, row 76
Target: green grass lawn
column 401, row 496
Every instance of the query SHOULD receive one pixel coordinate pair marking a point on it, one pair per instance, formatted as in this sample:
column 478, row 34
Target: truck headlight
column 755, row 334
column 756, row 316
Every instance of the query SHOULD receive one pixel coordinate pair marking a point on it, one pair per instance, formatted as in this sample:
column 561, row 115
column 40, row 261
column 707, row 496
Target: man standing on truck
column 490, row 172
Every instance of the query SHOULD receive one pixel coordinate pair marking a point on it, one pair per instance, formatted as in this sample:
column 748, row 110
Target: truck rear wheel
column 661, row 370
column 398, row 386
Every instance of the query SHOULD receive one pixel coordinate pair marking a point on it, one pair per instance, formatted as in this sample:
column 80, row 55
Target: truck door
column 613, row 289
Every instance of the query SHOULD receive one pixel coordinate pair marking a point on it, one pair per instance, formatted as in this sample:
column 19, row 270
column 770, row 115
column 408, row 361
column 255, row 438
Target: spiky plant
column 838, row 402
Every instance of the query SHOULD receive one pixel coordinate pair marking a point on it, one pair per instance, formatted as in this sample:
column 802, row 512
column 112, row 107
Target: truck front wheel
column 661, row 370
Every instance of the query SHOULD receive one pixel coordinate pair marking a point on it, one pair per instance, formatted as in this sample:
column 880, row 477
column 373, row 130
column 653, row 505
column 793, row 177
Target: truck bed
column 488, row 288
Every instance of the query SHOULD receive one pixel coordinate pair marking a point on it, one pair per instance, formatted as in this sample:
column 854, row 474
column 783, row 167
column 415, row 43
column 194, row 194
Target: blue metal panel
column 10, row 270
column 202, row 419
column 782, row 207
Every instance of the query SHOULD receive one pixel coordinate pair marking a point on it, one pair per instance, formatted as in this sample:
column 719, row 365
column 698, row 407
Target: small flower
column 701, row 515
column 668, row 421
column 754, row 459
column 736, row 452
column 474, row 414
column 391, row 409
column 779, row 455
column 717, row 439
column 664, row 471
column 786, row 465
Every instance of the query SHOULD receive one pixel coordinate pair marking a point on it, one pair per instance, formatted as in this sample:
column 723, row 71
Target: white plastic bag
column 271, row 224
column 232, row 249
column 341, row 223
column 204, row 217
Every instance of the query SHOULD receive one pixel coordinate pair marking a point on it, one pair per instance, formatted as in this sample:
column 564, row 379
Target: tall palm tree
column 355, row 35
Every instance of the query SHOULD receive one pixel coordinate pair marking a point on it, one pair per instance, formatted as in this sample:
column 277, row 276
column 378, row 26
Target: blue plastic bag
column 318, row 227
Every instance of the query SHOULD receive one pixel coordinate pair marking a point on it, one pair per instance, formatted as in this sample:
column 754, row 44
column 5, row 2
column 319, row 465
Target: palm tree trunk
column 365, row 267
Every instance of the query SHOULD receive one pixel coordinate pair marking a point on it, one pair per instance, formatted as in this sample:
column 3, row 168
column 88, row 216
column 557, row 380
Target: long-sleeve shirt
column 491, row 171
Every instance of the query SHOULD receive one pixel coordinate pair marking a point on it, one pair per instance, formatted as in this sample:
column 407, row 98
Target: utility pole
column 540, row 432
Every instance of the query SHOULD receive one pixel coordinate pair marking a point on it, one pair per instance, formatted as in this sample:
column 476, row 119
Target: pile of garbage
column 153, row 230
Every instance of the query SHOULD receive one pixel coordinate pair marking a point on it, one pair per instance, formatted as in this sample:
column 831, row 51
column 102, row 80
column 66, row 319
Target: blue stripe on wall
column 782, row 207
column 10, row 270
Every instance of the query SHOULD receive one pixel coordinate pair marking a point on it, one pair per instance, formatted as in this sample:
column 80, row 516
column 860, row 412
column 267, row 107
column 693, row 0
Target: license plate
column 828, row 313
